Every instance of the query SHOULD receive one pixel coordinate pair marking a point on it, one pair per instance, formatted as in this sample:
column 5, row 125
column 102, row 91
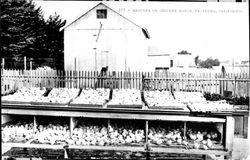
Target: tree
column 209, row 63
column 184, row 53
column 54, row 36
column 196, row 60
column 24, row 32
column 52, row 42
column 19, row 22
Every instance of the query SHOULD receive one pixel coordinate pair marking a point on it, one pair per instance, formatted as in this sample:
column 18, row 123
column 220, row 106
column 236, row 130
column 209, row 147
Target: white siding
column 119, row 42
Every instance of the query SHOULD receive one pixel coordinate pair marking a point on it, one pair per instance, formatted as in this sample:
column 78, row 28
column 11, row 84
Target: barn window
column 101, row 13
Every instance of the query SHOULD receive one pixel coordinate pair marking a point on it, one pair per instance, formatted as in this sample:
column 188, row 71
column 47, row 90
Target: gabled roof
column 144, row 30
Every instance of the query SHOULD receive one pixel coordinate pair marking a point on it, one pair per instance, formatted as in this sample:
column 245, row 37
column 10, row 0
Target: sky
column 217, row 30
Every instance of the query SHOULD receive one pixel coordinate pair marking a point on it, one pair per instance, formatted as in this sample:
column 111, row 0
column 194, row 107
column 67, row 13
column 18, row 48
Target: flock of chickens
column 195, row 101
column 116, row 134
column 92, row 134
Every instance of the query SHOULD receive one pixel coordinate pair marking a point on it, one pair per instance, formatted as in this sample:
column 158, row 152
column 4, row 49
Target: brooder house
column 102, row 37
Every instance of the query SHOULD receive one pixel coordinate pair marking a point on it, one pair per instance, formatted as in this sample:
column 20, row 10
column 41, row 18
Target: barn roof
column 144, row 30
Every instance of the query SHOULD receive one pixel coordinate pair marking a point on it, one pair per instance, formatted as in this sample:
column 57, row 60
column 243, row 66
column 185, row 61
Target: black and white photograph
column 125, row 79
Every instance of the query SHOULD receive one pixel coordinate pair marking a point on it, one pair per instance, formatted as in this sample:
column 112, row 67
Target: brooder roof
column 144, row 30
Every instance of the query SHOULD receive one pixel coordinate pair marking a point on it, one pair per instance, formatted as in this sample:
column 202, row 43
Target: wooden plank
column 185, row 82
column 110, row 78
column 120, row 148
column 48, row 84
column 88, row 79
column 146, row 136
column 180, row 82
column 85, row 79
column 95, row 78
column 120, row 79
column 63, row 80
column 220, row 130
column 43, row 78
column 188, row 151
column 210, row 83
column 72, row 124
column 129, row 79
column 47, row 146
column 38, row 79
column 133, row 78
column 126, row 79
column 35, row 123
column 229, row 133
column 184, row 129
column 71, row 79
column 56, row 79
column 123, row 77
column 114, row 115
column 34, row 78
column 245, row 126
column 81, row 79
column 139, row 81
column 91, row 79
column 81, row 74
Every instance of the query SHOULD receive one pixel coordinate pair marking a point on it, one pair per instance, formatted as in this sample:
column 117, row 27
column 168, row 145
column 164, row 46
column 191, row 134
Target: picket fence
column 235, row 84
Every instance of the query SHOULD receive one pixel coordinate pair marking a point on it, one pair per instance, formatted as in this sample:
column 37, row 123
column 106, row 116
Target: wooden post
column 3, row 63
column 30, row 65
column 31, row 76
column 74, row 73
column 229, row 135
column 108, row 123
column 222, row 84
column 75, row 63
column 109, row 127
column 25, row 63
column 185, row 129
column 234, row 90
column 72, row 124
column 245, row 126
column 66, row 151
column 219, row 127
column 146, row 137
column 35, row 123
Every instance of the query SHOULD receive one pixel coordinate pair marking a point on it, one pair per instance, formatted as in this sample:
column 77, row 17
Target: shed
column 102, row 37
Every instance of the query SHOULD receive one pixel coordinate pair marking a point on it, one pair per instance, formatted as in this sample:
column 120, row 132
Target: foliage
column 208, row 63
column 196, row 60
column 231, row 100
column 24, row 32
column 184, row 53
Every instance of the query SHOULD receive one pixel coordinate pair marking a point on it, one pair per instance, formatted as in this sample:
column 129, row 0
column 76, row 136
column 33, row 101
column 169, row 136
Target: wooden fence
column 236, row 84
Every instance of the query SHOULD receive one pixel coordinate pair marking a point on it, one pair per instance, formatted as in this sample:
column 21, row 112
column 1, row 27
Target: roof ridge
column 144, row 30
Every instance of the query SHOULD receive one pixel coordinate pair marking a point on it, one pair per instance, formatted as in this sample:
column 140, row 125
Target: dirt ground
column 241, row 149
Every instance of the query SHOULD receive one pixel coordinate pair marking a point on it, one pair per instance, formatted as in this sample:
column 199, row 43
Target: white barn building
column 102, row 37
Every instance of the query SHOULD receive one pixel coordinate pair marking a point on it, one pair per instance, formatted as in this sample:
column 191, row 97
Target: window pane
column 101, row 13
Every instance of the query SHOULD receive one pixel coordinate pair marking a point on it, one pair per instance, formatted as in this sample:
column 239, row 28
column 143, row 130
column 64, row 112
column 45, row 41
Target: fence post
column 30, row 65
column 31, row 75
column 234, row 89
column 222, row 84
column 25, row 63
column 3, row 61
column 74, row 74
